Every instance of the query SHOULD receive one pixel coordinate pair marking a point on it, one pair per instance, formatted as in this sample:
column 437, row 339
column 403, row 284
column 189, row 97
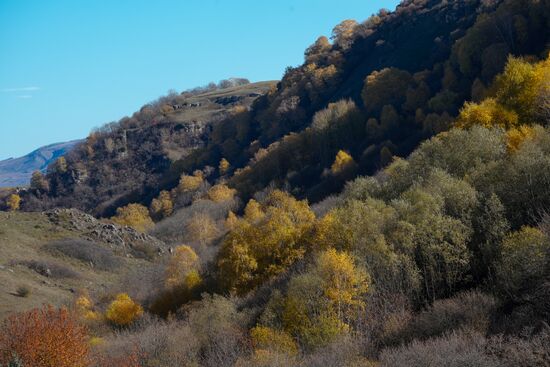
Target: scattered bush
column 157, row 343
column 173, row 230
column 50, row 269
column 218, row 327
column 23, row 291
column 470, row 310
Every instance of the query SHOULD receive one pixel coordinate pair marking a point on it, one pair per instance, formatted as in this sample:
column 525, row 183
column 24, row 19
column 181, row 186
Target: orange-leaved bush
column 45, row 337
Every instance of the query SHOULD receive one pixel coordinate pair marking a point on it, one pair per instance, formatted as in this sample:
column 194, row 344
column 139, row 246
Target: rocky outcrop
column 111, row 234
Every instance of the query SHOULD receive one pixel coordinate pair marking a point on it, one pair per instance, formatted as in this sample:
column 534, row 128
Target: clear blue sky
column 67, row 66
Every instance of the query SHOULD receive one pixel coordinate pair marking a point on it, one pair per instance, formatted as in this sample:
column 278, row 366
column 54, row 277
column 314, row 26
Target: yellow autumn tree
column 343, row 33
column 231, row 221
column 517, row 135
column 488, row 114
column 320, row 303
column 255, row 251
column 253, row 211
column 343, row 163
column 181, row 283
column 135, row 216
column 265, row 338
column 123, row 310
column 162, row 206
column 224, row 166
column 343, row 282
column 13, row 202
column 518, row 96
column 519, row 86
column 219, row 193
column 201, row 228
column 182, row 268
column 189, row 183
column 523, row 257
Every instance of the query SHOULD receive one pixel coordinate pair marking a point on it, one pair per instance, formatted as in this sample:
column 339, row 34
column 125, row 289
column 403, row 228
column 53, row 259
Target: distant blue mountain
column 18, row 171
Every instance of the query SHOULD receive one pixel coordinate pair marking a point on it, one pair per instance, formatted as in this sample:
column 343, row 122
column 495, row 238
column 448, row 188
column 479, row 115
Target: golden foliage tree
column 343, row 163
column 231, row 221
column 343, row 34
column 517, row 135
column 320, row 303
column 190, row 183
column 12, row 202
column 202, row 228
column 162, row 206
column 85, row 308
column 343, row 282
column 224, row 166
column 135, row 216
column 45, row 337
column 182, row 268
column 39, row 182
column 253, row 211
column 123, row 310
column 265, row 338
column 182, row 282
column 518, row 87
column 220, row 193
column 254, row 252
column 488, row 114
column 517, row 97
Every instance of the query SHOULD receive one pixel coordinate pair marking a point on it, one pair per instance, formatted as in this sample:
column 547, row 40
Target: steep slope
column 18, row 171
column 380, row 88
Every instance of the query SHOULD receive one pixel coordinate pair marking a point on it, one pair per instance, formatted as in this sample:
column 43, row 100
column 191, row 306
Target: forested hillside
column 376, row 91
column 387, row 203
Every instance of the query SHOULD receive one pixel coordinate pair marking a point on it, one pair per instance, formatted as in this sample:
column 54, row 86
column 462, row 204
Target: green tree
column 385, row 87
column 523, row 258
column 39, row 182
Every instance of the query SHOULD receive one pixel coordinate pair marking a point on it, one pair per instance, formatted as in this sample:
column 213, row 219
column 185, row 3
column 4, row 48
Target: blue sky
column 67, row 66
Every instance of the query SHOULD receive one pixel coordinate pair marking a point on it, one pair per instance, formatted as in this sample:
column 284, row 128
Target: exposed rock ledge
column 108, row 233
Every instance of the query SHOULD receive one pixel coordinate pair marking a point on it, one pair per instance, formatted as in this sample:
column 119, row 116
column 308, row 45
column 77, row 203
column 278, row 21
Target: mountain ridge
column 17, row 171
